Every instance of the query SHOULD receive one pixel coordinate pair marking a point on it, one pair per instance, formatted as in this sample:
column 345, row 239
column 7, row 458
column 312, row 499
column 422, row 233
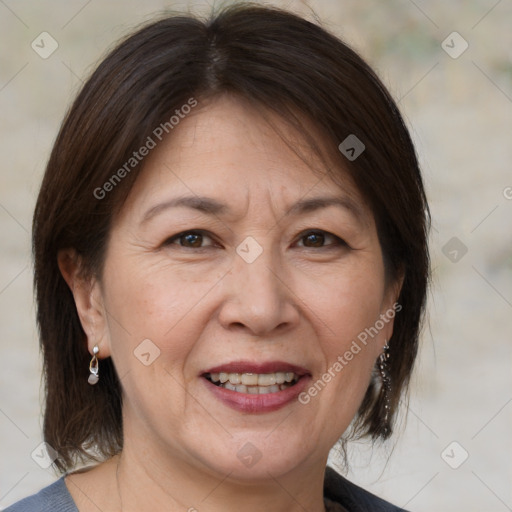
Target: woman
column 230, row 268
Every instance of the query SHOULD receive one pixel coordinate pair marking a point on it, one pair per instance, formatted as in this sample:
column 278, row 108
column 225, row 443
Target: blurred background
column 449, row 65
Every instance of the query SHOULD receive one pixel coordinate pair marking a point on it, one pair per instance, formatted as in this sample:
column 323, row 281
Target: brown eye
column 320, row 240
column 190, row 240
column 314, row 239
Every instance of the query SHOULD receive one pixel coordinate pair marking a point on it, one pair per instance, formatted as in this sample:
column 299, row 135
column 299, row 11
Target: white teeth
column 250, row 379
column 255, row 390
column 254, row 383
column 266, row 379
column 254, row 379
column 280, row 378
column 235, row 378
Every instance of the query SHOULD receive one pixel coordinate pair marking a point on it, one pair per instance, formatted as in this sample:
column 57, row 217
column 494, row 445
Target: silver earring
column 386, row 387
column 94, row 367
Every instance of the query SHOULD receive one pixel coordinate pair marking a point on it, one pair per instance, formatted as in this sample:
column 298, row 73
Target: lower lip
column 268, row 402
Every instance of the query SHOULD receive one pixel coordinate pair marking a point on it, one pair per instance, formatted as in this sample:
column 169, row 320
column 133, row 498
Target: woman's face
column 232, row 259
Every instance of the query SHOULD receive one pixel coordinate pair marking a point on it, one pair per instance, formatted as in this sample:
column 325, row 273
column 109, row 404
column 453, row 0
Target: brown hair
column 275, row 60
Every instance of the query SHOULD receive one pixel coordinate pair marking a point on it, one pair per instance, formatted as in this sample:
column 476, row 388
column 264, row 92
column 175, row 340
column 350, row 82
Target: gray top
column 54, row 498
column 337, row 491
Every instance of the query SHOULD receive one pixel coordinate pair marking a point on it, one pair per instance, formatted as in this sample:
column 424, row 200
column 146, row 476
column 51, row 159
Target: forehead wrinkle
column 261, row 202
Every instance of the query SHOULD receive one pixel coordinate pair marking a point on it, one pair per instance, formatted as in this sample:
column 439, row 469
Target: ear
column 88, row 300
column 390, row 308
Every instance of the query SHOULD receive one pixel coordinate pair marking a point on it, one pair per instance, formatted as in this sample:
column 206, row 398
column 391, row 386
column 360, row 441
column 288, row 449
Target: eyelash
column 337, row 240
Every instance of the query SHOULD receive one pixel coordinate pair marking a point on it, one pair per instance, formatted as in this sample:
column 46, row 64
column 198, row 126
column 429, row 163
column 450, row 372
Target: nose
column 259, row 297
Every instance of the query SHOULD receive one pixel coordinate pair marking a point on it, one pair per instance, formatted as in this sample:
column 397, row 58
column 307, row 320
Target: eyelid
column 338, row 240
column 177, row 236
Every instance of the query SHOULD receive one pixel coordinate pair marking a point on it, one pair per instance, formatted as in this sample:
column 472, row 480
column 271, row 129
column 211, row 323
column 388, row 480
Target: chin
column 257, row 456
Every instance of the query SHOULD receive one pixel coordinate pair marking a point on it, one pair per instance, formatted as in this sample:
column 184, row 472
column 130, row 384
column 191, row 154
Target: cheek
column 347, row 308
column 153, row 323
column 156, row 305
column 346, row 302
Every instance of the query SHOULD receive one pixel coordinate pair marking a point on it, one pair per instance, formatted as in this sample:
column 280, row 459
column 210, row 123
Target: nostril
column 258, row 313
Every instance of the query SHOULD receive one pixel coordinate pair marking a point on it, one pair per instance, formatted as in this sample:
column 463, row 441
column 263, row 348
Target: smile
column 254, row 383
column 256, row 387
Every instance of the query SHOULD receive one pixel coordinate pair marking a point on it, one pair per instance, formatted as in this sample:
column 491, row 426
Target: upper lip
column 260, row 367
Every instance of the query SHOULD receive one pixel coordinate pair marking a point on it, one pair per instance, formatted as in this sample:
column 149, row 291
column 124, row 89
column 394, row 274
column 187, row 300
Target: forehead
column 230, row 150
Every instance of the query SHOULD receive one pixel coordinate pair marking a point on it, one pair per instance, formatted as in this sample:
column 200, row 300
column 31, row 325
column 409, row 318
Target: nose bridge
column 259, row 276
column 258, row 297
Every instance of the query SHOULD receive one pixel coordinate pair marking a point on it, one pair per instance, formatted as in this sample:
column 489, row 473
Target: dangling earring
column 386, row 387
column 94, row 367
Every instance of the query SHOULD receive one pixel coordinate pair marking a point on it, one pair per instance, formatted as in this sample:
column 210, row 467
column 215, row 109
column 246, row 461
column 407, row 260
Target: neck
column 148, row 483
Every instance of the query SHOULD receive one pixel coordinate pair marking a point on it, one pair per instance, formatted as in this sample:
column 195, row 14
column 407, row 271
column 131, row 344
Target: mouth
column 254, row 383
column 256, row 387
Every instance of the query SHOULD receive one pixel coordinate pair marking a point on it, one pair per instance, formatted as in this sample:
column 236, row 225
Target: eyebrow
column 202, row 204
column 213, row 207
column 316, row 203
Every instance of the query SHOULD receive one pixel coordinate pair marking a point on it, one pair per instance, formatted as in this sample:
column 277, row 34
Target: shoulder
column 54, row 498
column 353, row 497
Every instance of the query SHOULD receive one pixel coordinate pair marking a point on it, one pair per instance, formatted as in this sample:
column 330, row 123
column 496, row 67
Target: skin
column 303, row 300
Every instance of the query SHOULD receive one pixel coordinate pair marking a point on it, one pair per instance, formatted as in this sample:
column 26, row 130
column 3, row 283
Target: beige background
column 460, row 113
